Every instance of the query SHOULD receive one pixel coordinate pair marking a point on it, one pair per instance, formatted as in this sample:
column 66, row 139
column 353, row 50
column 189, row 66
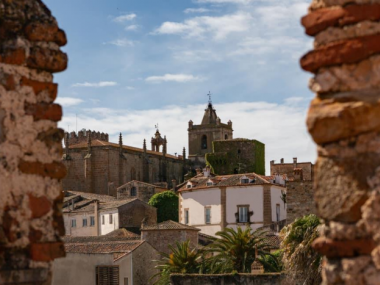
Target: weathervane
column 209, row 97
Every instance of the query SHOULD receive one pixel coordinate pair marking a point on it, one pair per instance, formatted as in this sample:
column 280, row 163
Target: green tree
column 272, row 262
column 167, row 206
column 182, row 259
column 300, row 260
column 235, row 251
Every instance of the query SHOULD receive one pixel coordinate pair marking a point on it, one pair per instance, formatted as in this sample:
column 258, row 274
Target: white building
column 87, row 214
column 212, row 203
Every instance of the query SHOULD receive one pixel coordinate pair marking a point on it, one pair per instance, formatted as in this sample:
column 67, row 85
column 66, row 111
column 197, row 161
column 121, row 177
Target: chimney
column 206, row 171
column 294, row 162
column 72, row 204
column 198, row 170
column 282, row 160
column 96, row 209
column 174, row 184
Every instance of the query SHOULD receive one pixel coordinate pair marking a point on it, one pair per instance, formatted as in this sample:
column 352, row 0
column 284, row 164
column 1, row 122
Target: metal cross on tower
column 209, row 97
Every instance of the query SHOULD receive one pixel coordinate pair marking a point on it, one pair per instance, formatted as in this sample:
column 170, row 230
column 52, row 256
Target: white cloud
column 196, row 10
column 68, row 101
column 281, row 127
column 95, row 84
column 132, row 27
column 121, row 43
column 174, row 78
column 130, row 88
column 216, row 27
column 123, row 18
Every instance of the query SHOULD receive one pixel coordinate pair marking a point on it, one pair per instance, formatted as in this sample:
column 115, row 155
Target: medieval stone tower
column 201, row 136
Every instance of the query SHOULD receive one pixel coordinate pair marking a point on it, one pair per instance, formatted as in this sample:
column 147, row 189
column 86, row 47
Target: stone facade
column 288, row 168
column 30, row 143
column 201, row 136
column 299, row 199
column 140, row 190
column 237, row 156
column 101, row 167
column 344, row 120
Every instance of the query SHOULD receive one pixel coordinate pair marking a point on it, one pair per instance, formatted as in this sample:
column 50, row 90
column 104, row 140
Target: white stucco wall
column 276, row 199
column 253, row 226
column 107, row 227
column 210, row 229
column 79, row 230
column 125, row 269
column 251, row 195
column 196, row 201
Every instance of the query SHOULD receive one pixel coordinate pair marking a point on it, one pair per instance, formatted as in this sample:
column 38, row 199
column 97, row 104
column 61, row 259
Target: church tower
column 201, row 136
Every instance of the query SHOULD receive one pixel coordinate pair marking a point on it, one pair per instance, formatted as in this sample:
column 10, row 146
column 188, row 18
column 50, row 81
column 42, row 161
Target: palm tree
column 235, row 251
column 301, row 261
column 182, row 259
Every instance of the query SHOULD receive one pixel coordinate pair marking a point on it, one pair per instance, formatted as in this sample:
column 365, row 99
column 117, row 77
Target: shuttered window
column 107, row 275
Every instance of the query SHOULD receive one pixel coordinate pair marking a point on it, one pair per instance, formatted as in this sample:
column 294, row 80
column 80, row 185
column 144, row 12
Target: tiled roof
column 168, row 225
column 139, row 182
column 102, row 198
column 123, row 233
column 118, row 248
column 274, row 241
column 100, row 239
column 200, row 182
column 95, row 143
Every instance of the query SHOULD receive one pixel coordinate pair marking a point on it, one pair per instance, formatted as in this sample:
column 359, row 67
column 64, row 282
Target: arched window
column 204, row 142
column 133, row 191
column 226, row 137
column 133, row 173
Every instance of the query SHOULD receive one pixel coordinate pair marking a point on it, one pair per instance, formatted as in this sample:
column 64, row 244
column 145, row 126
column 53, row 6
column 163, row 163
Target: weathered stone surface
column 49, row 32
column 46, row 251
column 353, row 270
column 49, row 87
column 347, row 51
column 333, row 248
column 44, row 111
column 13, row 56
column 318, row 4
column 321, row 19
column 39, row 206
column 56, row 170
column 339, row 197
column 343, row 116
column 344, row 231
column 47, row 59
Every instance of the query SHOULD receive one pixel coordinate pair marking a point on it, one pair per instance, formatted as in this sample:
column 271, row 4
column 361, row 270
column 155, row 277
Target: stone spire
column 89, row 143
column 184, row 153
column 164, row 150
column 144, row 145
column 120, row 143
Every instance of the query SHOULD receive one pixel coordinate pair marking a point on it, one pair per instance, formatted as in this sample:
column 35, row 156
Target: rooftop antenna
column 209, row 97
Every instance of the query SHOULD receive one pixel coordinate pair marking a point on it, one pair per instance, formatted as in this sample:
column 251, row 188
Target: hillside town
column 89, row 207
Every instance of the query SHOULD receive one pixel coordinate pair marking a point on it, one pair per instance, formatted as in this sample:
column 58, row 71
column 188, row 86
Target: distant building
column 212, row 203
column 137, row 189
column 105, row 260
column 288, row 169
column 87, row 214
column 95, row 165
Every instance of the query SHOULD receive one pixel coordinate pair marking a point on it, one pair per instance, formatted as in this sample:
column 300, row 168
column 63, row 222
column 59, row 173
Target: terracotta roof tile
column 169, row 225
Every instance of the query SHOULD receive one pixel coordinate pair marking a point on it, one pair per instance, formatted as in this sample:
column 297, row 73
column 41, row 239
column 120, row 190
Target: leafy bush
column 166, row 204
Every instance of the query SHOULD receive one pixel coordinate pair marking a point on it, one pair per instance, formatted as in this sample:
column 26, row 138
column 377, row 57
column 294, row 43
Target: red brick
column 48, row 32
column 47, row 59
column 9, row 29
column 54, row 170
column 343, row 248
column 321, row 19
column 39, row 86
column 348, row 51
column 34, row 235
column 13, row 56
column 39, row 206
column 43, row 111
column 47, row 251
column 8, row 81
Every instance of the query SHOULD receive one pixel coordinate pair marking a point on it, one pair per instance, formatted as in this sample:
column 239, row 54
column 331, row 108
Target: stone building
column 212, row 203
column 140, row 190
column 201, row 136
column 98, row 166
column 233, row 156
column 94, row 215
column 168, row 233
column 288, row 168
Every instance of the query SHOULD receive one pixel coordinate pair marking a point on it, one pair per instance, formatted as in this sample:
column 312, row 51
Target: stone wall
column 82, row 136
column 143, row 263
column 344, row 120
column 30, row 143
column 299, row 200
column 288, row 168
column 227, row 279
column 144, row 191
column 160, row 239
column 132, row 214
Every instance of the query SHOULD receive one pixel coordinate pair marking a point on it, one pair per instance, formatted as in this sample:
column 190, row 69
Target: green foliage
column 300, row 260
column 272, row 262
column 259, row 158
column 166, row 204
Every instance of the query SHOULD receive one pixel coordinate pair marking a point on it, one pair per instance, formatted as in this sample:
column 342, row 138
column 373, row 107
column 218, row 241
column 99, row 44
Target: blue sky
column 135, row 63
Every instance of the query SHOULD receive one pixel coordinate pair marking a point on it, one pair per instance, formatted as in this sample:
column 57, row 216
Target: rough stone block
column 43, row 111
column 47, row 59
column 39, row 206
column 54, row 170
column 347, row 248
column 46, row 251
column 49, row 87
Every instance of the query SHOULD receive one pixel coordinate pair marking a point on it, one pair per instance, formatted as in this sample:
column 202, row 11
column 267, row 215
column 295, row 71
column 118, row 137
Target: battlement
column 82, row 136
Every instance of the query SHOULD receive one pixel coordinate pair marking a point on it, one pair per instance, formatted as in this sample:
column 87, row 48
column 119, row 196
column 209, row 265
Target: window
column 186, row 216
column 107, row 275
column 110, row 216
column 209, row 183
column 103, row 220
column 84, row 224
column 133, row 191
column 92, row 221
column 226, row 137
column 188, row 186
column 244, row 180
column 243, row 214
column 73, row 223
column 204, row 142
column 208, row 215
column 278, row 212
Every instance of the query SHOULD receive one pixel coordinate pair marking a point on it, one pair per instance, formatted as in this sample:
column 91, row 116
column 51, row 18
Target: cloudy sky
column 136, row 63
